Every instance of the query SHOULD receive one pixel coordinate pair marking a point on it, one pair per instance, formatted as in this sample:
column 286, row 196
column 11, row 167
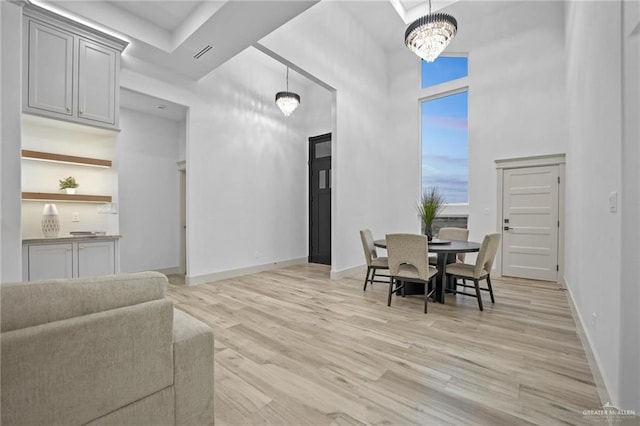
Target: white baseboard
column 170, row 271
column 356, row 270
column 592, row 358
column 218, row 276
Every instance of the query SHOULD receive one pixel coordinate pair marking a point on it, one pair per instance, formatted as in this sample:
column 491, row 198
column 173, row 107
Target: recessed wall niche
column 41, row 176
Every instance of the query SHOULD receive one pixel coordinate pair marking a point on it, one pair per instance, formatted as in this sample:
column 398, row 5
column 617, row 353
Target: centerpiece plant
column 429, row 207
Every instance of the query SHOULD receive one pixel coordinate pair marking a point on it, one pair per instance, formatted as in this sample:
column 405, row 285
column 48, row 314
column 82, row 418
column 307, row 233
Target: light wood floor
column 294, row 348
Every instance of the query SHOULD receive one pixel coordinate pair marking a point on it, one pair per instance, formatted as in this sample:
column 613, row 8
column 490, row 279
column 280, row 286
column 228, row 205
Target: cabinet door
column 97, row 82
column 96, row 258
column 49, row 261
column 50, row 69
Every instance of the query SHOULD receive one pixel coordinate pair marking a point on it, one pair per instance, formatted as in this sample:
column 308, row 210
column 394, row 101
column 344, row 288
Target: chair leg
column 490, row 289
column 390, row 291
column 426, row 295
column 477, row 284
column 366, row 278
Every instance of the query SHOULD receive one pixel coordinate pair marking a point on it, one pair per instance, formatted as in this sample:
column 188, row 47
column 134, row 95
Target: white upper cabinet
column 72, row 70
column 97, row 82
column 50, row 76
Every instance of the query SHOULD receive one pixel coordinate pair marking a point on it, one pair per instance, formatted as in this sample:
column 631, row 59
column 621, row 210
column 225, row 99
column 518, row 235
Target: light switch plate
column 613, row 202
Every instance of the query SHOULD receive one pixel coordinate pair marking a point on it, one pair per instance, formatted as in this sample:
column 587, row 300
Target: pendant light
column 429, row 35
column 287, row 101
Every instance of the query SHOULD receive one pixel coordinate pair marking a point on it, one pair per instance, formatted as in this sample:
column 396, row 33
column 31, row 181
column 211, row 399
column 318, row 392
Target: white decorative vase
column 50, row 221
column 70, row 190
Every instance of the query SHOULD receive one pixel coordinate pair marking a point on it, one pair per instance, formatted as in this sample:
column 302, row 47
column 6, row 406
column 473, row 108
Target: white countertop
column 70, row 239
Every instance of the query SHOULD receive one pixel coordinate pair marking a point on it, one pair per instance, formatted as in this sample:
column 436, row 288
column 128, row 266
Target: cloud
column 446, row 122
column 454, row 188
column 445, row 159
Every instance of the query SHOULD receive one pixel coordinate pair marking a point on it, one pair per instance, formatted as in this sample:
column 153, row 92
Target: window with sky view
column 445, row 132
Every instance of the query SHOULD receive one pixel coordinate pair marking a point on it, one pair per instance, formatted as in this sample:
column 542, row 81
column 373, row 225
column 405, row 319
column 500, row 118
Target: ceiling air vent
column 201, row 53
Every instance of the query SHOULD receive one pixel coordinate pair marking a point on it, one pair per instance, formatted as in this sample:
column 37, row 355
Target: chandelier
column 287, row 101
column 429, row 35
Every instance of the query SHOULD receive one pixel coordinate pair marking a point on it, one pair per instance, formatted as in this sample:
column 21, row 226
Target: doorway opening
column 182, row 231
column 320, row 199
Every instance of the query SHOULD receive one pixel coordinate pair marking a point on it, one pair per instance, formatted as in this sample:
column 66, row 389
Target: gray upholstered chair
column 373, row 261
column 409, row 261
column 451, row 234
column 480, row 271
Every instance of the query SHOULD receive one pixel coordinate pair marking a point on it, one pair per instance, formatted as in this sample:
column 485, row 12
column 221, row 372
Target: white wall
column 594, row 159
column 246, row 164
column 246, row 170
column 318, row 105
column 329, row 44
column 630, row 211
column 11, row 42
column 182, row 144
column 148, row 149
column 404, row 161
column 517, row 105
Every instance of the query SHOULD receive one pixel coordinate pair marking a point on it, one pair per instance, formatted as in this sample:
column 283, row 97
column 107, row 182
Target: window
column 445, row 129
column 443, row 69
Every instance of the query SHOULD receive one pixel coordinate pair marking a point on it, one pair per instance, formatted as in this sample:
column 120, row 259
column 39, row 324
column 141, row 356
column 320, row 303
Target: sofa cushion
column 27, row 304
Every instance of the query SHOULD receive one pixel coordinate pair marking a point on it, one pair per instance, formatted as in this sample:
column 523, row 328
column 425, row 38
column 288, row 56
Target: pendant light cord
column 287, row 79
column 429, row 7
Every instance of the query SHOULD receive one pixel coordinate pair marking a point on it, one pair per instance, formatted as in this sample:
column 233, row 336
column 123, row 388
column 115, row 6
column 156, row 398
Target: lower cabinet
column 69, row 259
column 49, row 261
column 96, row 258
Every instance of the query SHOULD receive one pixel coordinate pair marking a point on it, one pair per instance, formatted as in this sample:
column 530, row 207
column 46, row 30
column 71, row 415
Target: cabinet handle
column 81, row 111
column 68, row 109
column 68, row 249
column 80, row 248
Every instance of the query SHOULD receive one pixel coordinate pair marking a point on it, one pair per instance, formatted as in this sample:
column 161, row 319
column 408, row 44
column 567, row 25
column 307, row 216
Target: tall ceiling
column 169, row 34
column 189, row 38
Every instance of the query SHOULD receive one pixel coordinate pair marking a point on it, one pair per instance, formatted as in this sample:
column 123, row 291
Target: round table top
column 453, row 247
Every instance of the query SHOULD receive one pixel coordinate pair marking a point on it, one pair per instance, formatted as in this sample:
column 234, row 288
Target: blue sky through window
column 445, row 146
column 444, row 68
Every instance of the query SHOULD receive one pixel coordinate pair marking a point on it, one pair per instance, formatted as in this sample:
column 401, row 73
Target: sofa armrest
column 78, row 369
column 193, row 370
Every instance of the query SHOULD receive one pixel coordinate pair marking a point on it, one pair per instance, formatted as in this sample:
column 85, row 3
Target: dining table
column 446, row 251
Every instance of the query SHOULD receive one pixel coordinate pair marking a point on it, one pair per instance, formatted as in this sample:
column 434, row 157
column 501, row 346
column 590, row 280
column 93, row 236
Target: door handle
column 506, row 228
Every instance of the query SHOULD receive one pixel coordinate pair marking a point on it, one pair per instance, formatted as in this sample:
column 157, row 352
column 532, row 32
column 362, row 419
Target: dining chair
column 452, row 234
column 374, row 263
column 480, row 271
column 409, row 261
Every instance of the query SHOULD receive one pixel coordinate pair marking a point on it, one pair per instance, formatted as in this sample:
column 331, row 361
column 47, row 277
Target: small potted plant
column 69, row 184
column 429, row 207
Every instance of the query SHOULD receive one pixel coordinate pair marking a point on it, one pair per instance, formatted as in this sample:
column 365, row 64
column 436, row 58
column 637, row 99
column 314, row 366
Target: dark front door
column 320, row 199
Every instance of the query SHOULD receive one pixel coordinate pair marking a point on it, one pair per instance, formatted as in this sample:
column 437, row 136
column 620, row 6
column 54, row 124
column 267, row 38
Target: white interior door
column 530, row 222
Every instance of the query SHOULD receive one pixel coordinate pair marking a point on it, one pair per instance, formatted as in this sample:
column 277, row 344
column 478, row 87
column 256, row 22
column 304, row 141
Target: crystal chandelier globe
column 287, row 101
column 429, row 35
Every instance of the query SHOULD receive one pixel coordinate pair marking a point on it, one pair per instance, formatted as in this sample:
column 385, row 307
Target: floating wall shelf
column 60, row 158
column 79, row 198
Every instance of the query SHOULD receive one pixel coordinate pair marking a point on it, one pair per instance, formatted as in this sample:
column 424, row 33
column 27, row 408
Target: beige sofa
column 104, row 350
